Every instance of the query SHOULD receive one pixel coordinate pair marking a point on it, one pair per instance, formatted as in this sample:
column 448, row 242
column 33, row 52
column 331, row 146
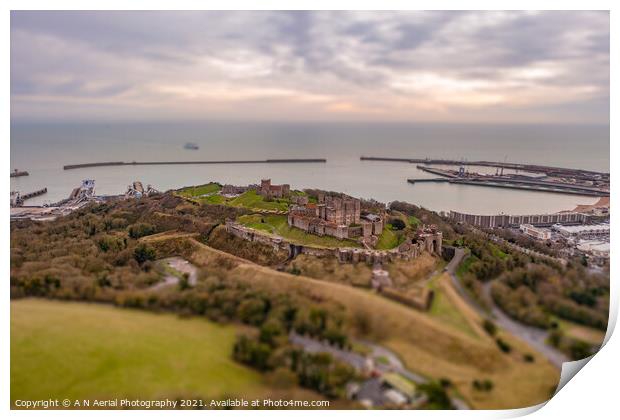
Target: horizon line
column 302, row 122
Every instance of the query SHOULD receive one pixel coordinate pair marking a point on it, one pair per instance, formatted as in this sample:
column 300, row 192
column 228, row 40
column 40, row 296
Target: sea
column 43, row 149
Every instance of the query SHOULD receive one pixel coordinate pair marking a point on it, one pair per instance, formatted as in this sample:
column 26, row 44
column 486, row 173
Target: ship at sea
column 191, row 146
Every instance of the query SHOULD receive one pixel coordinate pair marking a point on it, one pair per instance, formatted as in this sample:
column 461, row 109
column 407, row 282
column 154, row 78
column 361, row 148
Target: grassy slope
column 464, row 267
column 200, row 190
column 518, row 385
column 330, row 269
column 581, row 332
column 278, row 225
column 406, row 273
column 388, row 239
column 433, row 348
column 444, row 309
column 427, row 346
column 413, row 221
column 82, row 350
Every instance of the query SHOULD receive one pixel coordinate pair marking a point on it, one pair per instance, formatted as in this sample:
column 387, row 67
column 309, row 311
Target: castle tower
column 265, row 185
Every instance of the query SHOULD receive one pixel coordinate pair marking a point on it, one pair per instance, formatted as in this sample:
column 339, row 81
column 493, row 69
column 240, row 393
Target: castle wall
column 355, row 231
column 366, row 229
column 405, row 251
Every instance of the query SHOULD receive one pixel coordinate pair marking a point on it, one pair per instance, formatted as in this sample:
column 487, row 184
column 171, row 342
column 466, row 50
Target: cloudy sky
column 514, row 67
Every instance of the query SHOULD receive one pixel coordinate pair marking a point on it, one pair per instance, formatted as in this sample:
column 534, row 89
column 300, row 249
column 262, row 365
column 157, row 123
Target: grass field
column 278, row 225
column 214, row 199
column 81, row 350
column 251, row 200
column 209, row 194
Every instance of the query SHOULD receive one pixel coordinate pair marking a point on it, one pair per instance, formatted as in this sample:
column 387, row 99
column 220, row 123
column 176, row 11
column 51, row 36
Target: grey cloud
column 338, row 53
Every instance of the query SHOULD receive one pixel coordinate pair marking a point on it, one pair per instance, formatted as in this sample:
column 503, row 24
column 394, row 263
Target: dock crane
column 502, row 171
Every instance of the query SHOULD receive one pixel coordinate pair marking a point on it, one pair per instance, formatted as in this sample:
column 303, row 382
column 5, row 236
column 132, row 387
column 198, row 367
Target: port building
column 583, row 231
column 541, row 234
column 505, row 220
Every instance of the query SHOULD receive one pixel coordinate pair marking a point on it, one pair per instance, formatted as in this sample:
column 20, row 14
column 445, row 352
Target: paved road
column 311, row 345
column 181, row 265
column 535, row 337
column 459, row 255
column 394, row 364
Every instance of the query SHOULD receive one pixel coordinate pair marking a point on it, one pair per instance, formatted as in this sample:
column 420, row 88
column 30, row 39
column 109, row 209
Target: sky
column 445, row 67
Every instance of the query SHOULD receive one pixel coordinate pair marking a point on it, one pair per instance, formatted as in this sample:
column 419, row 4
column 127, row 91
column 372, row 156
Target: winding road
column 535, row 337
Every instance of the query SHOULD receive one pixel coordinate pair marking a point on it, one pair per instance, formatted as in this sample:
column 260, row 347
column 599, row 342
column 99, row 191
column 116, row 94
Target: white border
column 592, row 394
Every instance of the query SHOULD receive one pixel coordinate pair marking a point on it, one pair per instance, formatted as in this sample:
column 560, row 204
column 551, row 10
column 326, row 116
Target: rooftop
column 596, row 246
column 582, row 228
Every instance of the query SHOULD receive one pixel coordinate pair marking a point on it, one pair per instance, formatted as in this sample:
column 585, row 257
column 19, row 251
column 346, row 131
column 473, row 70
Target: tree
column 503, row 346
column 139, row 230
column 184, row 282
column 252, row 352
column 485, row 385
column 143, row 253
column 252, row 311
column 269, row 332
column 437, row 396
column 397, row 224
column 490, row 327
column 579, row 350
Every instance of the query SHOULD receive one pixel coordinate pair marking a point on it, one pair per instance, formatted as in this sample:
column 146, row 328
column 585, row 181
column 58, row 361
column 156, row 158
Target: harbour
column 581, row 174
column 341, row 145
column 505, row 181
column 536, row 178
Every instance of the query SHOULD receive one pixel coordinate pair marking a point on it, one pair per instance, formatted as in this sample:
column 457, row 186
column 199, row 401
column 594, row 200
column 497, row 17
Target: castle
column 335, row 216
column 340, row 216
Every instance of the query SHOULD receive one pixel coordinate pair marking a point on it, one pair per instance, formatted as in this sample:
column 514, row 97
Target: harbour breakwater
column 192, row 162
column 549, row 170
column 16, row 173
column 513, row 182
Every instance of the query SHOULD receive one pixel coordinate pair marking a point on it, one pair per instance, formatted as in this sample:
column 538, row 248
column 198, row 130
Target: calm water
column 43, row 149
